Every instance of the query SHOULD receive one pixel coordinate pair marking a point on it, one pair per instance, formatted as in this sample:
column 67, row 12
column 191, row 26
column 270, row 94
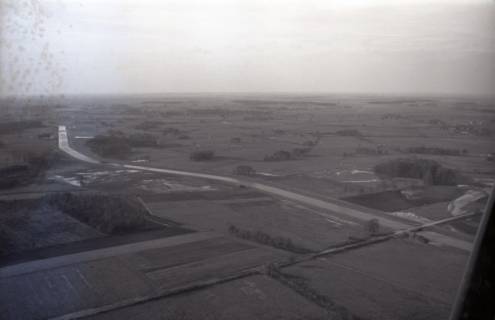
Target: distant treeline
column 202, row 155
column 283, row 155
column 349, row 133
column 29, row 168
column 436, row 151
column 266, row 239
column 284, row 102
column 18, row 126
column 401, row 101
column 115, row 144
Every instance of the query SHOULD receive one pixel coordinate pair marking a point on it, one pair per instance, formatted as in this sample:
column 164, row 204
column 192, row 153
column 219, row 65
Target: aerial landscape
column 246, row 159
column 285, row 206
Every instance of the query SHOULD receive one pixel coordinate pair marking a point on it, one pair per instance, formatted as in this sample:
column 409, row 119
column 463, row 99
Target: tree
column 244, row 170
column 202, row 155
column 281, row 155
column 372, row 226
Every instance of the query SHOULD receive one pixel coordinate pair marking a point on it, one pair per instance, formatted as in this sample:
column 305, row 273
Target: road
column 310, row 201
column 63, row 144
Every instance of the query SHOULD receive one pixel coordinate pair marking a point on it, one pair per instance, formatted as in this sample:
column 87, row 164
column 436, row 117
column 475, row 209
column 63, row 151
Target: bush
column 430, row 171
column 113, row 145
column 300, row 152
column 349, row 133
column 148, row 125
column 244, row 170
column 138, row 140
column 309, row 143
column 436, row 151
column 29, row 167
column 18, row 126
column 281, row 155
column 266, row 239
column 378, row 150
column 372, row 226
column 108, row 214
column 171, row 131
column 202, row 155
column 46, row 136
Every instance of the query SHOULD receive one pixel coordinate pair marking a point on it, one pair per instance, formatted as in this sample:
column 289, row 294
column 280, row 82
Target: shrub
column 148, row 125
column 108, row 214
column 29, row 167
column 309, row 143
column 300, row 152
column 378, row 150
column 266, row 239
column 142, row 140
column 171, row 131
column 436, row 151
column 46, row 136
column 18, row 126
column 372, row 226
column 349, row 133
column 202, row 155
column 280, row 155
column 113, row 146
column 244, row 170
column 430, row 171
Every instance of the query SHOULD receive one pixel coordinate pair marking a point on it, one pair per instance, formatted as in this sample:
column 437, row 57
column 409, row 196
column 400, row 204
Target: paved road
column 63, row 144
column 310, row 201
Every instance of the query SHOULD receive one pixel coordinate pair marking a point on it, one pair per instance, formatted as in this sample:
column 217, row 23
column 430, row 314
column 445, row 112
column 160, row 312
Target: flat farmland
column 273, row 217
column 342, row 133
column 257, row 297
column 398, row 279
column 288, row 175
column 106, row 277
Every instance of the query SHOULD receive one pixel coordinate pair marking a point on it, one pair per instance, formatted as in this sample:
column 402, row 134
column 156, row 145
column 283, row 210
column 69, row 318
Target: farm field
column 256, row 184
column 404, row 285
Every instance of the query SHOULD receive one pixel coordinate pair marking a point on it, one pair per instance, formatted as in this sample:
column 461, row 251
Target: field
column 251, row 298
column 107, row 276
column 383, row 282
column 288, row 176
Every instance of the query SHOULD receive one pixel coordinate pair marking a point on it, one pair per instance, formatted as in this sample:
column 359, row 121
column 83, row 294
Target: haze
column 114, row 46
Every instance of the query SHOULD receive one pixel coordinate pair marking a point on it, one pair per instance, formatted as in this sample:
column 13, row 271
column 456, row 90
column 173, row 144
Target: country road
column 310, row 201
column 63, row 144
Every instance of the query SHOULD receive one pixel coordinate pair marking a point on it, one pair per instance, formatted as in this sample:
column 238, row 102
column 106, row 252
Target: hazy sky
column 369, row 46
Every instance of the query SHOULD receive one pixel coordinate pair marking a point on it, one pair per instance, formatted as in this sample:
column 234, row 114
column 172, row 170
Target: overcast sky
column 335, row 46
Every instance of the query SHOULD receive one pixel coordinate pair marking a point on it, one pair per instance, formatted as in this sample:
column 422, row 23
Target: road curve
column 313, row 202
column 63, row 144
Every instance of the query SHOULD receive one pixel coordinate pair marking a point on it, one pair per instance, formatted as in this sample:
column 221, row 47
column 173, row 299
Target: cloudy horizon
column 359, row 46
